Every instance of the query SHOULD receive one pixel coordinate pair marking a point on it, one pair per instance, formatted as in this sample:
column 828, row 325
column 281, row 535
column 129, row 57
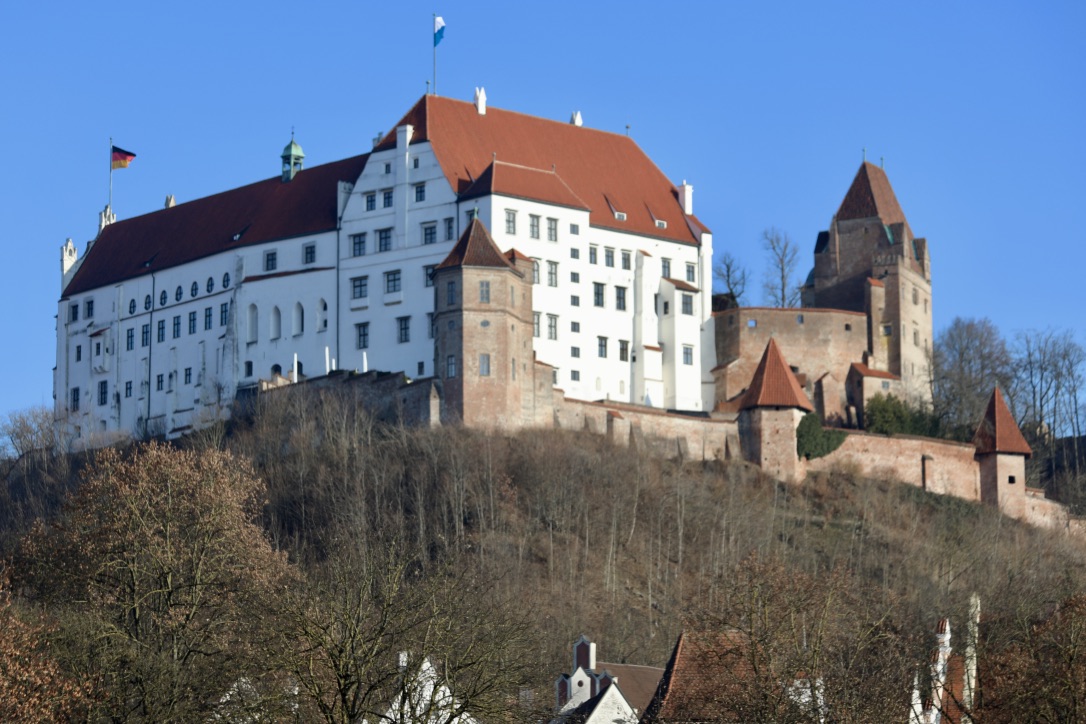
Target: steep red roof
column 637, row 683
column 704, row 673
column 998, row 432
column 871, row 196
column 510, row 179
column 773, row 384
column 865, row 371
column 476, row 248
column 606, row 172
column 264, row 211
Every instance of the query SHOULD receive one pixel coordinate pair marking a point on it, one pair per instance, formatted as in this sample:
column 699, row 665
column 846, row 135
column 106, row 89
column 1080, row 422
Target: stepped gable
column 604, row 172
column 265, row 211
column 773, row 384
column 871, row 196
column 476, row 248
column 998, row 432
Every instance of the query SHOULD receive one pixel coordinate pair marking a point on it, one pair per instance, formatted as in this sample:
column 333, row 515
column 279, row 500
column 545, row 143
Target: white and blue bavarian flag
column 439, row 29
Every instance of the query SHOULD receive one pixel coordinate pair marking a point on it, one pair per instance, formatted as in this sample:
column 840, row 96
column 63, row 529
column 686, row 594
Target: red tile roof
column 875, row 282
column 871, row 196
column 637, row 683
column 510, row 179
column 606, row 172
column 476, row 248
column 705, row 671
column 681, row 285
column 866, row 371
column 773, row 384
column 264, row 211
column 998, row 432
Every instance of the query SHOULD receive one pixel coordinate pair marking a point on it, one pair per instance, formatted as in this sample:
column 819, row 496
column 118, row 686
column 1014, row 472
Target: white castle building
column 166, row 316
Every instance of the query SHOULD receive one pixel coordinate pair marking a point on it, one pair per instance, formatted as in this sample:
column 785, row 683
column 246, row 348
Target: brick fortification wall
column 938, row 466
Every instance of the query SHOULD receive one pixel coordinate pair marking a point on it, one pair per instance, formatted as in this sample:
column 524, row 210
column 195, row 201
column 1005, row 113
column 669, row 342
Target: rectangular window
column 188, row 375
column 128, row 389
column 688, row 304
column 620, row 298
column 609, row 257
column 510, row 221
column 574, row 326
column 626, row 260
column 224, row 313
column 208, row 318
column 130, row 339
column 575, row 277
column 362, row 335
column 97, row 349
column 533, row 226
column 158, row 383
column 665, row 268
column 248, row 368
column 887, row 330
column 593, row 253
column 420, row 191
column 75, row 400
column 575, row 352
column 598, row 291
column 88, row 308
column 428, row 275
column 624, row 350
column 176, row 327
column 403, row 329
column 450, row 366
column 574, row 229
column 575, row 375
column 192, row 322
column 484, row 292
column 271, row 261
column 392, row 281
column 162, row 328
column 450, row 230
column 371, row 201
column 386, row 198
column 358, row 244
column 103, row 393
column 691, row 273
column 688, row 355
column 574, row 253
column 535, row 323
column 484, row 365
column 450, row 293
column 552, row 273
column 574, row 300
column 429, row 325
column 535, row 271
column 384, row 239
column 552, row 229
column 145, row 335
column 552, row 326
column 309, row 254
column 916, row 338
column 601, row 342
column 73, row 313
column 429, row 233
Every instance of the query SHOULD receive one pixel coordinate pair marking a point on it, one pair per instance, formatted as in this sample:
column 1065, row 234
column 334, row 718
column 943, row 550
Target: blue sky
column 977, row 108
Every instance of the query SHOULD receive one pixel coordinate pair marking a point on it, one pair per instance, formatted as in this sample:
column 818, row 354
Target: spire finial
column 882, row 162
column 865, row 154
column 292, row 132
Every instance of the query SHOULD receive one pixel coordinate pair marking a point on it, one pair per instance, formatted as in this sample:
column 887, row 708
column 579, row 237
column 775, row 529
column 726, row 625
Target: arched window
column 132, row 306
column 299, row 319
column 147, row 302
column 252, row 326
column 226, row 280
column 322, row 318
column 178, row 294
column 194, row 290
column 277, row 370
column 276, row 329
column 210, row 285
column 162, row 298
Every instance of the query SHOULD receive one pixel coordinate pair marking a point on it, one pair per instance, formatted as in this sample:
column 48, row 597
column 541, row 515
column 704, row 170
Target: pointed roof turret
column 998, row 432
column 476, row 248
column 773, row 384
column 871, row 196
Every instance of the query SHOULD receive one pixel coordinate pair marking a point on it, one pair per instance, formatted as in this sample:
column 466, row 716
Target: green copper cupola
column 292, row 159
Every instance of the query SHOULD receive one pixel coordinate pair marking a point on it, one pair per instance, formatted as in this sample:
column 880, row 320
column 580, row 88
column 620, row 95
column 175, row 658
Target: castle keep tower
column 869, row 261
column 483, row 332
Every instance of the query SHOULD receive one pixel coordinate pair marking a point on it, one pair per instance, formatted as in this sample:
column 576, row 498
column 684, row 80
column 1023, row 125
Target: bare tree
column 733, row 276
column 969, row 359
column 779, row 287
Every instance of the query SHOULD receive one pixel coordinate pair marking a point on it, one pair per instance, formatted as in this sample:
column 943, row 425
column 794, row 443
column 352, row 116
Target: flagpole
column 110, row 207
column 432, row 31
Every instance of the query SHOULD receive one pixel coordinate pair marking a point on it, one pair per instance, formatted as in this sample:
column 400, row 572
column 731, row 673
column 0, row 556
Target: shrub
column 815, row 441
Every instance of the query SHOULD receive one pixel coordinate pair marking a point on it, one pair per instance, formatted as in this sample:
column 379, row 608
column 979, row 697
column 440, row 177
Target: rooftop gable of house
column 704, row 671
column 514, row 180
column 604, row 172
column 265, row 211
column 774, row 384
column 998, row 432
column 871, row 196
column 476, row 248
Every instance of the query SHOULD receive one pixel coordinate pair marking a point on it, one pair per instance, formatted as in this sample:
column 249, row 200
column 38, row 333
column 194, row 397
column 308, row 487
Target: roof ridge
column 998, row 432
column 774, row 384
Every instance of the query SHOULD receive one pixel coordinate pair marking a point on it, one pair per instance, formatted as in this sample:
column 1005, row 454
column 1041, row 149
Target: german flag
column 120, row 158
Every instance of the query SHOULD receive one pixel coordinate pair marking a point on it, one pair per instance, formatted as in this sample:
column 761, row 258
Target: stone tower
column 483, row 332
column 869, row 261
column 1002, row 453
column 770, row 412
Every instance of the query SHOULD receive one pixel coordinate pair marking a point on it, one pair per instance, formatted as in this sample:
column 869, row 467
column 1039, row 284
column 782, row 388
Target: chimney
column 576, row 119
column 686, row 197
column 403, row 136
column 170, row 201
column 480, row 101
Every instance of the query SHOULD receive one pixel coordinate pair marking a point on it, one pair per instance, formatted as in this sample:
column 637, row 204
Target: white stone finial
column 686, row 197
column 480, row 100
column 105, row 218
column 171, row 201
column 576, row 119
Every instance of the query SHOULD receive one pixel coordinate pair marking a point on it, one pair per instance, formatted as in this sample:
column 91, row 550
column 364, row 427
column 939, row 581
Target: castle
column 517, row 272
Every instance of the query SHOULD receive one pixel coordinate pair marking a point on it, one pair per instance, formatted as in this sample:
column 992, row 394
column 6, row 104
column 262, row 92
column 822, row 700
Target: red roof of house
column 705, row 671
column 681, row 285
column 264, row 211
column 866, row 371
column 561, row 162
column 998, row 432
column 773, row 384
column 637, row 683
column 871, row 196
column 476, row 248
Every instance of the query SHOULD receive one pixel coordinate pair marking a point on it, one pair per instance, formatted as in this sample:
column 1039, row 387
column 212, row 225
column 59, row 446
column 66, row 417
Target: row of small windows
column 275, row 321
column 401, row 330
column 103, row 389
column 534, row 223
column 384, row 237
column 387, row 195
column 271, row 257
column 145, row 330
column 163, row 297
